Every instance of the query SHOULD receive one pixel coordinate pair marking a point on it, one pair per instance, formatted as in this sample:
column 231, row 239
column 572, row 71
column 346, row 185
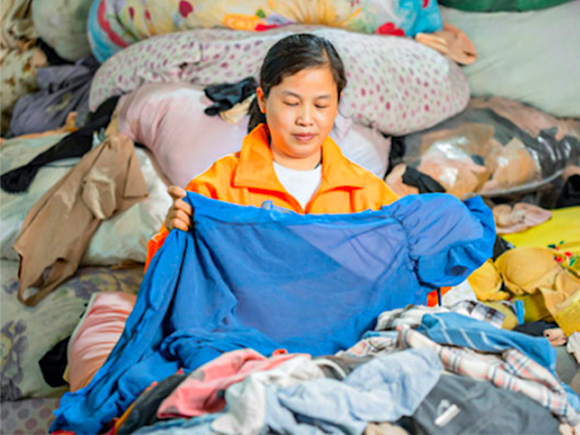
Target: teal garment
column 501, row 5
column 268, row 278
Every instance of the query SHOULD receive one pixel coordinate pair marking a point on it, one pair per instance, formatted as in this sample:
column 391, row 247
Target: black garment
column 397, row 152
column 51, row 55
column 53, row 364
column 461, row 405
column 501, row 246
column 144, row 412
column 227, row 95
column 423, row 182
column 535, row 329
column 570, row 194
column 76, row 144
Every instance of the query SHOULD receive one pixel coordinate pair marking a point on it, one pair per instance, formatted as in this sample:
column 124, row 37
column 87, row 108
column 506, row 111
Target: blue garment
column 455, row 329
column 269, row 279
column 182, row 426
column 383, row 389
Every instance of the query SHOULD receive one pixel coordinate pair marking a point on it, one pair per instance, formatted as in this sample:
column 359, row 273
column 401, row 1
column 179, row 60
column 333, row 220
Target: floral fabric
column 116, row 24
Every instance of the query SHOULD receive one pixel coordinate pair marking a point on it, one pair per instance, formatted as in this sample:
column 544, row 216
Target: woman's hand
column 180, row 214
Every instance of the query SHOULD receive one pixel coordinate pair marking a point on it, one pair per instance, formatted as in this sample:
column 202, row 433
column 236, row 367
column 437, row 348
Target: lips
column 304, row 137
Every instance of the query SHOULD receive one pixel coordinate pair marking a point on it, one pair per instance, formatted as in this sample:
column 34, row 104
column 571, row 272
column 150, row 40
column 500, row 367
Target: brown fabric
column 56, row 231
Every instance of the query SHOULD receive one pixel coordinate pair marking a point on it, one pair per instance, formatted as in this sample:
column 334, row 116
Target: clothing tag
column 447, row 412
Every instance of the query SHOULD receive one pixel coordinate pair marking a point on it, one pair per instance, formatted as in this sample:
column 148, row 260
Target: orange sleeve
column 209, row 184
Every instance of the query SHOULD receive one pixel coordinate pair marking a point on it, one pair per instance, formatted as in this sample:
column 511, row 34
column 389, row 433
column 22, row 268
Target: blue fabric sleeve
column 448, row 239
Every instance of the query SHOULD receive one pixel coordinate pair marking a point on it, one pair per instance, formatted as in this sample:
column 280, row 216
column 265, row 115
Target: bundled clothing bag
column 267, row 278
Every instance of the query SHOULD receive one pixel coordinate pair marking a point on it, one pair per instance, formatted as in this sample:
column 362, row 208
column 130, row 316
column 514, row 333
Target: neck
column 299, row 164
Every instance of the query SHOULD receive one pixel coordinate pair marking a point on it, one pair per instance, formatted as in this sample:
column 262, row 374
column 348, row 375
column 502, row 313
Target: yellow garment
column 545, row 280
column 526, row 269
column 564, row 303
column 511, row 319
column 535, row 308
column 486, row 283
column 564, row 226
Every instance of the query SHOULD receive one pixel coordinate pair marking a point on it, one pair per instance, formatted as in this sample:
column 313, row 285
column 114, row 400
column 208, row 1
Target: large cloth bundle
column 116, row 24
column 396, row 85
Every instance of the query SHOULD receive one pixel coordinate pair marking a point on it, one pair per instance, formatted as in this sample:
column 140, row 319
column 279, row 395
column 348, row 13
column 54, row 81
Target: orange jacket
column 248, row 178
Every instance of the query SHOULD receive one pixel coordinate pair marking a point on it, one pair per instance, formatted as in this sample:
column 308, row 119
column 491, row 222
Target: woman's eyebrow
column 294, row 94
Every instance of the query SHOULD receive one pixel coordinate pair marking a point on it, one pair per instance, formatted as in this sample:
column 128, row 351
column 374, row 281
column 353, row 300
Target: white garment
column 246, row 400
column 302, row 185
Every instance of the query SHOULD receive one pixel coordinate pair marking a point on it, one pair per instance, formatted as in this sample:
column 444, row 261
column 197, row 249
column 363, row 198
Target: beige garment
column 451, row 42
column 16, row 23
column 513, row 165
column 56, row 231
column 384, row 429
column 236, row 113
column 556, row 336
column 573, row 348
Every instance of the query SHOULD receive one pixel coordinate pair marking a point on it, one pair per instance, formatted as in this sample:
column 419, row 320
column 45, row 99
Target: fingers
column 180, row 213
column 180, row 204
column 178, row 219
column 176, row 192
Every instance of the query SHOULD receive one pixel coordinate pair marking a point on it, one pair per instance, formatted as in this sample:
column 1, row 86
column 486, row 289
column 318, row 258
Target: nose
column 304, row 115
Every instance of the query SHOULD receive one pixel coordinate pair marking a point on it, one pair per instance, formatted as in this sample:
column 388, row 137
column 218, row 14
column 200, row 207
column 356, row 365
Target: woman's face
column 300, row 112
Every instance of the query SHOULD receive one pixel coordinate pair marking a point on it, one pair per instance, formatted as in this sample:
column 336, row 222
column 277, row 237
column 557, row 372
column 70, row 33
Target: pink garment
column 522, row 216
column 198, row 394
column 97, row 334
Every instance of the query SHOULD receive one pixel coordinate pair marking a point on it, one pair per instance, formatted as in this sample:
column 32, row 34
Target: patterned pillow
column 396, row 85
column 116, row 24
column 27, row 333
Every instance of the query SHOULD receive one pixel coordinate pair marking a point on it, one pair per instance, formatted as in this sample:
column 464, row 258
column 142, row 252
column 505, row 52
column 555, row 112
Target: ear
column 261, row 99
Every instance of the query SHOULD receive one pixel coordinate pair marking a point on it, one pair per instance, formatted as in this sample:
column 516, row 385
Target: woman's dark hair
column 291, row 55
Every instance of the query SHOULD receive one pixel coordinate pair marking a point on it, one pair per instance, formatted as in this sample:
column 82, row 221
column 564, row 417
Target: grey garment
column 566, row 365
column 384, row 389
column 339, row 367
column 461, row 405
column 64, row 89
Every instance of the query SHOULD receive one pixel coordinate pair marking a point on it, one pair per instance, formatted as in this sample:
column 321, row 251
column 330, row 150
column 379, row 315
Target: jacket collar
column 256, row 167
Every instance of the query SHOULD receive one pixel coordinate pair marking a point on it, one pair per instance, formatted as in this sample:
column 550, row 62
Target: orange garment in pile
column 248, row 178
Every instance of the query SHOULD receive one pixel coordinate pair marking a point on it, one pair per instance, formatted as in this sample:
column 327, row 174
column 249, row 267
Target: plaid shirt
column 512, row 370
column 412, row 315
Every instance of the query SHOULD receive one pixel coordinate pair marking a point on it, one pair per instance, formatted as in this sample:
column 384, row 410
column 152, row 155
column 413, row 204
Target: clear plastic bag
column 479, row 151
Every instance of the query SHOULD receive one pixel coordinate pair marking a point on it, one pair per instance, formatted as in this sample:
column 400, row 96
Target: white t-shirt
column 302, row 185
